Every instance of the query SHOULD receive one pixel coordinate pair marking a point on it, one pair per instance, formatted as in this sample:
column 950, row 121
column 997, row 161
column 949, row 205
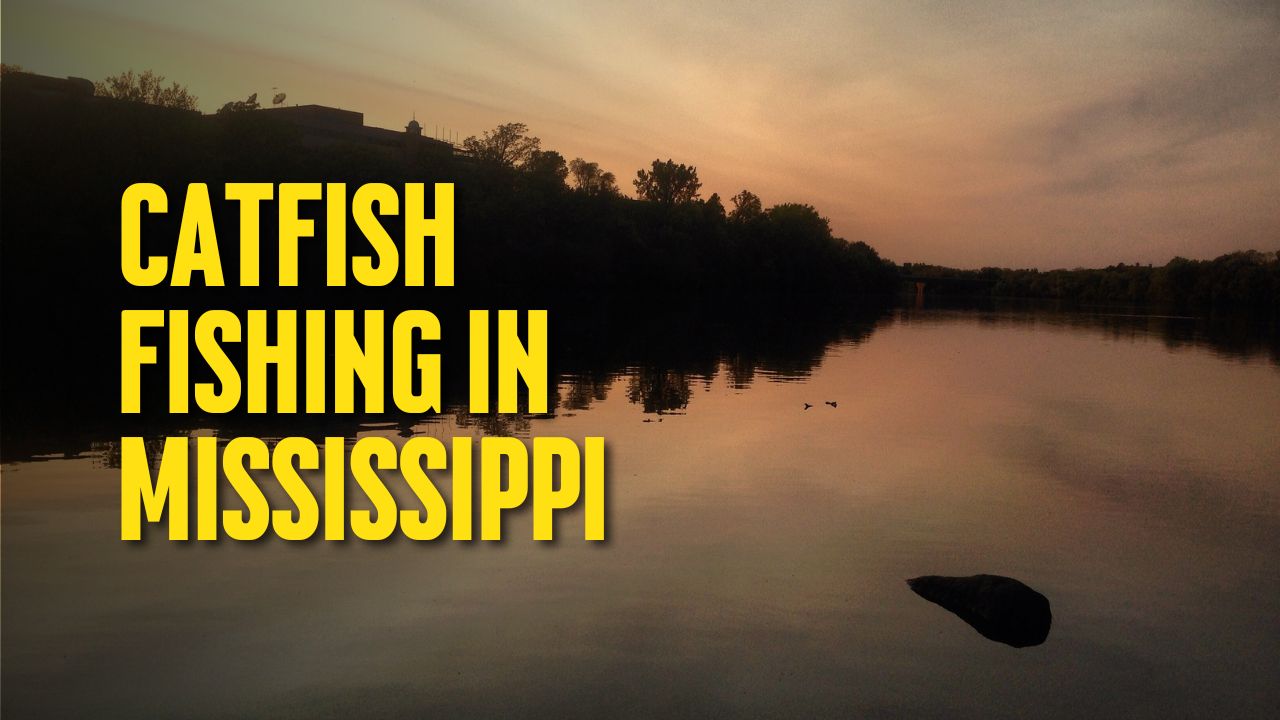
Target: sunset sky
column 968, row 134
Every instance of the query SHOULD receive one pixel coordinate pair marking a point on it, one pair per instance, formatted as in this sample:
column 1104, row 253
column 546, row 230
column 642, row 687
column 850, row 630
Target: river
column 1127, row 468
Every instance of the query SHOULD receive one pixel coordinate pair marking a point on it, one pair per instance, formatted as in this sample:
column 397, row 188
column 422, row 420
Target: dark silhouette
column 807, row 406
column 547, row 165
column 832, row 403
column 1238, row 283
column 148, row 88
column 588, row 178
column 678, row 289
column 746, row 207
column 508, row 145
column 668, row 183
column 671, row 289
column 999, row 608
column 238, row 106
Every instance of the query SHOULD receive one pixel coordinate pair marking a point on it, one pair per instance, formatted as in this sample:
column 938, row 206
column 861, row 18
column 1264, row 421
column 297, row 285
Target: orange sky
column 968, row 134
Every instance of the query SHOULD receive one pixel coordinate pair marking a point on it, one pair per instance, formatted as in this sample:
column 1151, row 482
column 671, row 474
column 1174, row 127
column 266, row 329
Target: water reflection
column 660, row 363
column 1228, row 337
column 757, row 549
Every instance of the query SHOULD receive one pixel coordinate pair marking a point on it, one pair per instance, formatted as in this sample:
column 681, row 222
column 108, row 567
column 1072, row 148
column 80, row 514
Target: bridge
column 971, row 283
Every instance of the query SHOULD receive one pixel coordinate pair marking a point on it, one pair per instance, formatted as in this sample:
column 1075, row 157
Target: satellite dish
column 278, row 99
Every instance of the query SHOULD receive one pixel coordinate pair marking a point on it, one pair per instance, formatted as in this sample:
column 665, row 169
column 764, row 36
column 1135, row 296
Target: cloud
column 1160, row 130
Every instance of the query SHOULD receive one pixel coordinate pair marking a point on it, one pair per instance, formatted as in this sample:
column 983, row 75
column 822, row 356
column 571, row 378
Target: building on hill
column 318, row 126
column 22, row 87
column 45, row 86
column 321, row 126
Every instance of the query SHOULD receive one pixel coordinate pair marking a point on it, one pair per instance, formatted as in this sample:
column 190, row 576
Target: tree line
column 533, row 231
column 568, row 222
column 1245, row 283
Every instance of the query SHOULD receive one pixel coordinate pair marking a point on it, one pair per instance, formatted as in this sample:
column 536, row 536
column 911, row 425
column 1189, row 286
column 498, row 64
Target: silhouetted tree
column 715, row 206
column 148, row 88
column 746, row 206
column 800, row 219
column 508, row 145
column 1239, row 283
column 590, row 179
column 547, row 165
column 668, row 183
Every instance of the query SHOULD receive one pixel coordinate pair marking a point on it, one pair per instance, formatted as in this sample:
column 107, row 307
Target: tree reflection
column 659, row 391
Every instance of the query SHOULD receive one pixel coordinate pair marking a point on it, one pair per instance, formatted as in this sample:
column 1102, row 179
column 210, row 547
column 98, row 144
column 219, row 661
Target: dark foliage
column 608, row 267
column 1243, row 283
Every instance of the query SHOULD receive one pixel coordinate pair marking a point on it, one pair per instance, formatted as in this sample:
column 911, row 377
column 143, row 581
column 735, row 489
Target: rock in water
column 1000, row 608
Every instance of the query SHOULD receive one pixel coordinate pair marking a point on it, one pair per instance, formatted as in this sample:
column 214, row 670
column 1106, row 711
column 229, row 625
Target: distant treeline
column 1240, row 283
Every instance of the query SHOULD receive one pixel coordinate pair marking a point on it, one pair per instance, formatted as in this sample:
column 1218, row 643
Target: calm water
column 757, row 557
